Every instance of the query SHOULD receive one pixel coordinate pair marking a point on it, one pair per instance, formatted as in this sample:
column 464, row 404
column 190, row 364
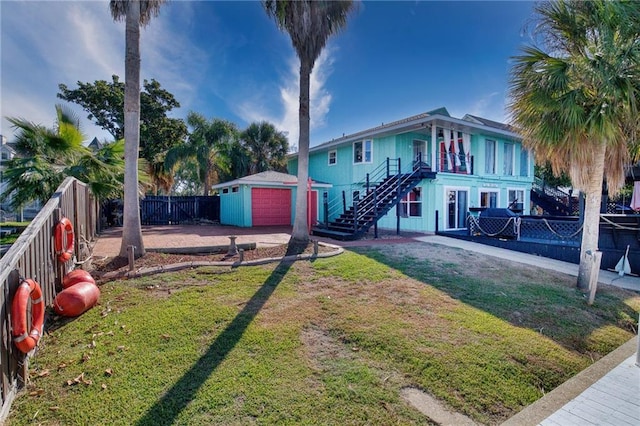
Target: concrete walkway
column 606, row 393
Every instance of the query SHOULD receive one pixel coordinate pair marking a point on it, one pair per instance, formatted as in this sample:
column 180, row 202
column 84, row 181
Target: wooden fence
column 33, row 256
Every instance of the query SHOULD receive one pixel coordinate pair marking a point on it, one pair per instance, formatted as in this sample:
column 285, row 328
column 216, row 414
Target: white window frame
column 523, row 200
column 364, row 143
column 406, row 203
column 446, row 206
column 335, row 157
column 488, row 190
column 524, row 155
column 495, row 154
column 508, row 161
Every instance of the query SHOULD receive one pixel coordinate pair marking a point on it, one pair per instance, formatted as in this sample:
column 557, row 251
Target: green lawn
column 325, row 342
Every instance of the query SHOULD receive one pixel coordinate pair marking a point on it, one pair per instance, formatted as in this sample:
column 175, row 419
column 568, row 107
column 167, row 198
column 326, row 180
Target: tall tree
column 46, row 156
column 309, row 23
column 267, row 147
column 135, row 13
column 104, row 103
column 206, row 144
column 575, row 99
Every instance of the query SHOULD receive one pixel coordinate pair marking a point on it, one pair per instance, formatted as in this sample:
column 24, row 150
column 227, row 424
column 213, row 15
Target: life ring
column 23, row 341
column 63, row 240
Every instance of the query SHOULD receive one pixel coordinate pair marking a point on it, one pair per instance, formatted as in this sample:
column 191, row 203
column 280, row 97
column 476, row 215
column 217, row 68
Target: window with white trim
column 411, row 204
column 363, row 151
column 508, row 159
column 333, row 157
column 490, row 157
column 516, row 199
column 524, row 162
column 488, row 199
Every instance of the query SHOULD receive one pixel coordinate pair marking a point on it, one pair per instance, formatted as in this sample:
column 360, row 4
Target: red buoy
column 26, row 340
column 76, row 276
column 77, row 299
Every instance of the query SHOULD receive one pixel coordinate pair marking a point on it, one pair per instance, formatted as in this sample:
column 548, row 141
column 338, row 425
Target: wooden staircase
column 553, row 200
column 376, row 202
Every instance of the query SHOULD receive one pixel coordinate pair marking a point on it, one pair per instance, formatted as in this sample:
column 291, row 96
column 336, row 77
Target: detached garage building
column 264, row 199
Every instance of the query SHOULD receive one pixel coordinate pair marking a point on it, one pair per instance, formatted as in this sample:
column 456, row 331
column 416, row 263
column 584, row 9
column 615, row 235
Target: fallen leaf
column 36, row 392
column 85, row 357
column 108, row 372
column 121, row 348
column 92, row 344
column 165, row 336
column 44, row 373
column 62, row 365
column 109, row 333
column 54, row 408
column 104, row 386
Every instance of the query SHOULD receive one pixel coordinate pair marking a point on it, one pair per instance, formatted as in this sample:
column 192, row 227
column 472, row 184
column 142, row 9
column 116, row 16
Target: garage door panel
column 270, row 206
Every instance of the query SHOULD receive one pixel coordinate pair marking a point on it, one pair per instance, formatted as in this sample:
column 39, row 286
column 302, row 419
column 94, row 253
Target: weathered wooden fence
column 33, row 256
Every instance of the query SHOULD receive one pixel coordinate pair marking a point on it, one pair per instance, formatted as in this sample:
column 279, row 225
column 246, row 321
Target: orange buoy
column 76, row 276
column 63, row 240
column 28, row 289
column 77, row 299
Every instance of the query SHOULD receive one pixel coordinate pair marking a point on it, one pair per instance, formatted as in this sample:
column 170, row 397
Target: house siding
column 345, row 173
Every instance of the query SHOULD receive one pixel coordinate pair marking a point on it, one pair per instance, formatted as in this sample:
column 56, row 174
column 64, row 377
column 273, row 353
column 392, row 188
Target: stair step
column 337, row 235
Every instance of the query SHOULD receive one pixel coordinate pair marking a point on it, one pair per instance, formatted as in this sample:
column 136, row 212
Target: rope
column 477, row 224
column 615, row 225
column 559, row 235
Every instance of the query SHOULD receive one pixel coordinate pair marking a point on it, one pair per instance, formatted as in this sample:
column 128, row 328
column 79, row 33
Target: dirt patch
column 434, row 409
column 154, row 259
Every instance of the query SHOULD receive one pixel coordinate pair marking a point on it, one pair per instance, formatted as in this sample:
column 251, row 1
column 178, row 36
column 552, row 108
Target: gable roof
column 487, row 122
column 423, row 123
column 267, row 178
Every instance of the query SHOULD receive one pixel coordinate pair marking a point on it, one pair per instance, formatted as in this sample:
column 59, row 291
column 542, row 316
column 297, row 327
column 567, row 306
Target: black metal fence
column 166, row 210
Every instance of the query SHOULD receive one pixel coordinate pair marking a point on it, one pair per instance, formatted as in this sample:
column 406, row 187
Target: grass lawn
column 331, row 341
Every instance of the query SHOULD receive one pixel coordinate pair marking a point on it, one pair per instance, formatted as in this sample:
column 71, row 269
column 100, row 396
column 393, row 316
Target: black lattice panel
column 550, row 230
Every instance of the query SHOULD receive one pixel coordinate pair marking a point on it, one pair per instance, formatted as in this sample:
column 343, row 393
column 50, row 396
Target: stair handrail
column 561, row 197
column 377, row 175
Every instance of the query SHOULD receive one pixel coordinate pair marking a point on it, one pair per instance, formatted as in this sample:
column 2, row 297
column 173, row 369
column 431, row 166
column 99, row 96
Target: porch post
column 434, row 142
column 325, row 204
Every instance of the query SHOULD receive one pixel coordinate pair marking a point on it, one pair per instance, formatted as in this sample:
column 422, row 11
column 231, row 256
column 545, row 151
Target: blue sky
column 228, row 60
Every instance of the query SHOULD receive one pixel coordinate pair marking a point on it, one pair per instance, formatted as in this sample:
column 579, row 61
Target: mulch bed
column 153, row 259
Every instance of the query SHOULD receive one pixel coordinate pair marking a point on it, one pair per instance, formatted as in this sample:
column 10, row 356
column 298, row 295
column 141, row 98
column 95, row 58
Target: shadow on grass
column 520, row 299
column 167, row 409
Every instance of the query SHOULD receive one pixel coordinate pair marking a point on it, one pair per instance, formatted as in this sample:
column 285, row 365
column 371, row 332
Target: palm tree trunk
column 300, row 233
column 132, row 229
column 591, row 223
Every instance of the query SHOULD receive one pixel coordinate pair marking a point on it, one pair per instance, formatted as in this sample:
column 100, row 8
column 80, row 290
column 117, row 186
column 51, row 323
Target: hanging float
column 28, row 289
column 63, row 240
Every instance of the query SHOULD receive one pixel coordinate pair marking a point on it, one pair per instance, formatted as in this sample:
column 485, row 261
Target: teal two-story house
column 422, row 173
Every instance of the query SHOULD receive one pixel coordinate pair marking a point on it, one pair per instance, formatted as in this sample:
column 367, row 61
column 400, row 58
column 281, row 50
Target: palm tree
column 206, row 144
column 267, row 147
column 135, row 13
column 43, row 154
column 309, row 23
column 577, row 106
column 47, row 156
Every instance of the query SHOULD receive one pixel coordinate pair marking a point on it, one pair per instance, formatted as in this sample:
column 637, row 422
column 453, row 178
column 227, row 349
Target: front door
column 457, row 206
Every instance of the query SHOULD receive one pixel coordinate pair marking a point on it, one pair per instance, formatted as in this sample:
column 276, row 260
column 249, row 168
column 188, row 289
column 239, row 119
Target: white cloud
column 48, row 43
column 287, row 119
